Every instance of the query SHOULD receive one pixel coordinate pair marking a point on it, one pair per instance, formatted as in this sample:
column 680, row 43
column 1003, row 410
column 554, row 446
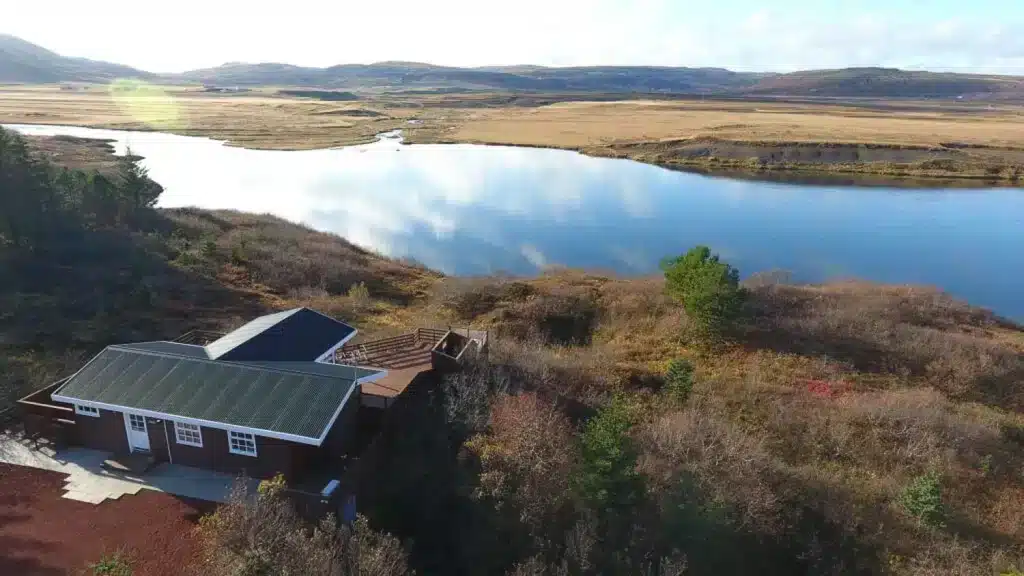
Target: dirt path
column 42, row 534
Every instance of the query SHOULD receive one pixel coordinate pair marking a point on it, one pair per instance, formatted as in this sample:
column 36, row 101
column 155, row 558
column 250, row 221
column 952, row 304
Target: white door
column 138, row 436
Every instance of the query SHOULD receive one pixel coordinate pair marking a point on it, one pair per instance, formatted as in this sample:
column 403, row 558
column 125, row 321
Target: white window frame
column 141, row 427
column 236, row 438
column 188, row 434
column 87, row 411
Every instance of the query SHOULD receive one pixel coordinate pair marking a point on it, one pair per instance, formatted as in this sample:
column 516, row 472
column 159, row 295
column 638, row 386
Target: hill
column 24, row 62
column 419, row 76
column 402, row 76
column 887, row 82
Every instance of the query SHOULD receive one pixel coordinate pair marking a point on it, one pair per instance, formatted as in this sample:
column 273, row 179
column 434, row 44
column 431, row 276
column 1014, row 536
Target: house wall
column 272, row 456
column 104, row 433
column 341, row 438
column 107, row 432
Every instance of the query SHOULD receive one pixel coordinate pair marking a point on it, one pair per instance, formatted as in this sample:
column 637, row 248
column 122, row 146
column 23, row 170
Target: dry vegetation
column 927, row 139
column 797, row 441
column 829, row 404
column 830, row 401
column 252, row 120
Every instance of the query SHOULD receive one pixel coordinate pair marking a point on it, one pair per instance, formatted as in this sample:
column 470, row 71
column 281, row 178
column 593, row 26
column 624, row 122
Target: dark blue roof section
column 298, row 335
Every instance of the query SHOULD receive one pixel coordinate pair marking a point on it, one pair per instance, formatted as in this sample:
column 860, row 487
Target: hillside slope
column 412, row 75
column 886, row 82
column 24, row 62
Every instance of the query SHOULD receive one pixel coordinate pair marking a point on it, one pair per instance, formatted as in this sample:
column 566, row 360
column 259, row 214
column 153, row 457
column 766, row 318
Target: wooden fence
column 44, row 418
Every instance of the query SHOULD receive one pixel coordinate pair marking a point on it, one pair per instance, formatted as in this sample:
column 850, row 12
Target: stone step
column 87, row 497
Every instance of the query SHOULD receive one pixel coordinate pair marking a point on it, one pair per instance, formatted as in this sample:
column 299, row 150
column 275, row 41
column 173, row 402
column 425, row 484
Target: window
column 87, row 410
column 138, row 423
column 188, row 434
column 241, row 443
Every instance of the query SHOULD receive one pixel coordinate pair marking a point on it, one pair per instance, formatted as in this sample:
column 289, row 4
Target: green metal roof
column 320, row 369
column 286, row 398
column 161, row 347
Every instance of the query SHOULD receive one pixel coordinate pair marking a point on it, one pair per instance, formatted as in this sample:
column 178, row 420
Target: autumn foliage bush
column 261, row 534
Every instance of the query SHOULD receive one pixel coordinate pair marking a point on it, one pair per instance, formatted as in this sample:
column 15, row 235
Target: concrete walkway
column 88, row 481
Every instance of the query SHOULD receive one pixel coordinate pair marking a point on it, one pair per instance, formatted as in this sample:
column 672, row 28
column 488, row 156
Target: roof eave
column 200, row 422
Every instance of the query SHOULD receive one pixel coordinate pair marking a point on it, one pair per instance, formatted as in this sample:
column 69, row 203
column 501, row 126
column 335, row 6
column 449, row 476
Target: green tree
column 679, row 380
column 100, row 200
column 134, row 182
column 27, row 201
column 708, row 289
column 611, row 489
column 922, row 499
column 608, row 480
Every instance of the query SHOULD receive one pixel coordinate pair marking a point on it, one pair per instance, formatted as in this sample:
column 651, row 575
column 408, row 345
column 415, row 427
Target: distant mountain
column 848, row 82
column 413, row 75
column 887, row 82
column 24, row 62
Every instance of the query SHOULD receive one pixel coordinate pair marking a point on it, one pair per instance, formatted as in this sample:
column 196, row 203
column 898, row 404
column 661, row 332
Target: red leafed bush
column 526, row 458
column 824, row 389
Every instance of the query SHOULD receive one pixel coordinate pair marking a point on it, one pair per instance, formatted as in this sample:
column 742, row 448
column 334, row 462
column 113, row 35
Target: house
column 266, row 398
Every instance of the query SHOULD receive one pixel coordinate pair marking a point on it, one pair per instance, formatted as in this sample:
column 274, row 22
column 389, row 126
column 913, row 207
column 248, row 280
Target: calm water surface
column 475, row 209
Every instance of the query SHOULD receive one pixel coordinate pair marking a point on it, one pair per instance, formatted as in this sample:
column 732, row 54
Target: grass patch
column 925, row 139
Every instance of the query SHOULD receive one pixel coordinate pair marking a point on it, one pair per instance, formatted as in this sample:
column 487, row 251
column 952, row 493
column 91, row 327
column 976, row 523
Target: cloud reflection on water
column 472, row 209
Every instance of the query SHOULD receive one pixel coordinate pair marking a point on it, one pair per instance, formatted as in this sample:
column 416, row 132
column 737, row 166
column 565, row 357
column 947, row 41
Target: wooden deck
column 404, row 357
column 402, row 367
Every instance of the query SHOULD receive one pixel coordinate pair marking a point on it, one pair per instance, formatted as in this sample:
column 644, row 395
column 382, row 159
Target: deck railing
column 366, row 351
column 41, row 403
column 44, row 418
column 430, row 335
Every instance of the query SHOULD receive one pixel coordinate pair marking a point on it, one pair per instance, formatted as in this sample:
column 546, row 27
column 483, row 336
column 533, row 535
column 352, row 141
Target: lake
column 467, row 209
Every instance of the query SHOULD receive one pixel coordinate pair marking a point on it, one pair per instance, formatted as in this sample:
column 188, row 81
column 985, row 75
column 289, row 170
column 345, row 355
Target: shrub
column 263, row 534
column 116, row 564
column 239, row 252
column 208, row 248
column 922, row 499
column 359, row 293
column 679, row 380
column 272, row 486
column 472, row 297
column 708, row 288
column 1012, row 433
column 526, row 460
column 608, row 480
column 188, row 259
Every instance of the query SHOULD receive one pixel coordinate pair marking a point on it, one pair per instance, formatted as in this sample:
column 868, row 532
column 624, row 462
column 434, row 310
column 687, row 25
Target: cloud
column 780, row 41
column 739, row 34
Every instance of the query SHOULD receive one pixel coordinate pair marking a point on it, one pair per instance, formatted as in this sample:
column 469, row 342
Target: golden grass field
column 252, row 120
column 922, row 138
column 587, row 124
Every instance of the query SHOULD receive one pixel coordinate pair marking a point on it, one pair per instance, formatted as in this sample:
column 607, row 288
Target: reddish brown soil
column 43, row 534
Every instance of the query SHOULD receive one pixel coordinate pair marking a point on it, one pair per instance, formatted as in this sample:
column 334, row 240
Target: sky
column 768, row 35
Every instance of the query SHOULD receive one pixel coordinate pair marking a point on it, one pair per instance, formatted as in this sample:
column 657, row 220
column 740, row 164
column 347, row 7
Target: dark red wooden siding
column 104, row 433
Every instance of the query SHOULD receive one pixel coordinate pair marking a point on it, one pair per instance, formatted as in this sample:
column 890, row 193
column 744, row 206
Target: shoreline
column 656, row 154
column 896, row 173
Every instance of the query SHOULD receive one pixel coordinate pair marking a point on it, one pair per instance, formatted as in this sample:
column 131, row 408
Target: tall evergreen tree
column 134, row 183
